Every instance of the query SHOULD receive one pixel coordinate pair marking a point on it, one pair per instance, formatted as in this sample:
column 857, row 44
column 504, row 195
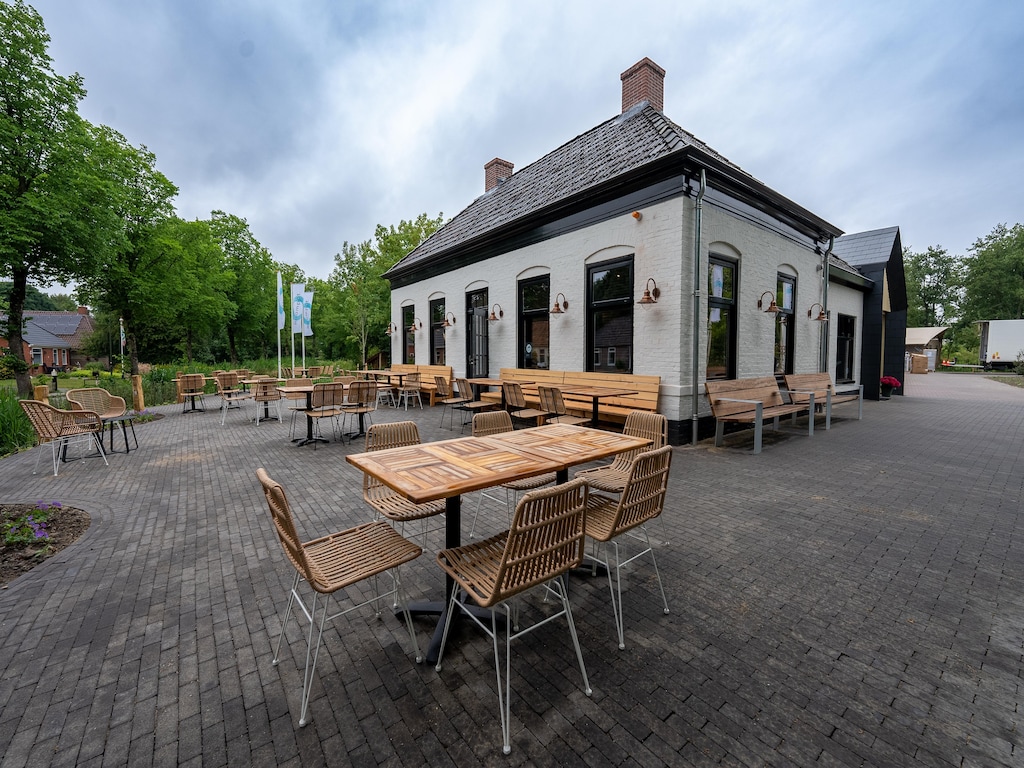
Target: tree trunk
column 232, row 352
column 15, row 321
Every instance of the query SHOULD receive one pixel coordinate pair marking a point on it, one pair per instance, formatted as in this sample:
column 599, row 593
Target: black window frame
column 597, row 306
column 730, row 305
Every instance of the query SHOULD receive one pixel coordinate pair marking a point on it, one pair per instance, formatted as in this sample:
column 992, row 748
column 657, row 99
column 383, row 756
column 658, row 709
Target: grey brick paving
column 855, row 598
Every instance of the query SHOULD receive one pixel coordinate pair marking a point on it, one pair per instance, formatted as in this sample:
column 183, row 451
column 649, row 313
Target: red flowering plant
column 890, row 381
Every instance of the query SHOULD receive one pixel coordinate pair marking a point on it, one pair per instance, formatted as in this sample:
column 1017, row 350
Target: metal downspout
column 826, row 326
column 695, row 357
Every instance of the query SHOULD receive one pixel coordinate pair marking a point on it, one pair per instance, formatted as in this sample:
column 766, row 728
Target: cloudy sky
column 316, row 120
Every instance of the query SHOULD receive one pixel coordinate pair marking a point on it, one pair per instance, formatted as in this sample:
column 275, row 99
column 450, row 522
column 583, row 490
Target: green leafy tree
column 934, row 287
column 53, row 198
column 357, row 275
column 141, row 202
column 252, row 289
column 34, row 298
column 995, row 275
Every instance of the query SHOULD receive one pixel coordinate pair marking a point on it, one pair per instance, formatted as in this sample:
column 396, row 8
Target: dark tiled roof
column 627, row 142
column 862, row 248
column 37, row 336
column 69, row 328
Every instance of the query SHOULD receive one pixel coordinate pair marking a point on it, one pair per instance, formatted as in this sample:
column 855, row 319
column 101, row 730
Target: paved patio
column 855, row 598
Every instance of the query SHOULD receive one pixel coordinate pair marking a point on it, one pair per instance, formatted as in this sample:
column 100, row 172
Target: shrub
column 16, row 430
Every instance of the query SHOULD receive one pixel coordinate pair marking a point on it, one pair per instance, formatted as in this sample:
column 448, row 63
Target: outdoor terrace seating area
column 821, row 609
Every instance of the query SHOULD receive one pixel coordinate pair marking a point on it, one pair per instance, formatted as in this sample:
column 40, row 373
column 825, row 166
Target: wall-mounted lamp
column 560, row 306
column 771, row 308
column 416, row 325
column 821, row 317
column 651, row 293
column 637, row 215
column 496, row 315
column 448, row 323
column 392, row 329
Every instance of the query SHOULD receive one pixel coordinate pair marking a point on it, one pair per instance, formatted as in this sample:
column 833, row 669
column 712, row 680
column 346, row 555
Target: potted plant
column 888, row 384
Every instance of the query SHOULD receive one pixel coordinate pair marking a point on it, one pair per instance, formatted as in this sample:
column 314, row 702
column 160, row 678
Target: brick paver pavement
column 855, row 598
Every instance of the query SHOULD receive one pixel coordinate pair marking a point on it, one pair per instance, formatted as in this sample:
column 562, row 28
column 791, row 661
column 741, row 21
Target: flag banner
column 297, row 306
column 307, row 311
column 280, row 303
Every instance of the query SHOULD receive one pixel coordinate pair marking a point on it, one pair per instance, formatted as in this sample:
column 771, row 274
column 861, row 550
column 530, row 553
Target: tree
column 34, row 298
column 52, row 199
column 934, row 287
column 252, row 290
column 139, row 203
column 358, row 274
column 995, row 275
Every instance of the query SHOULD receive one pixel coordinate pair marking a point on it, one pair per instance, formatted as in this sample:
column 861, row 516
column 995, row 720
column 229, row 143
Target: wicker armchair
column 333, row 563
column 97, row 400
column 544, row 542
column 62, row 428
column 609, row 519
column 494, row 423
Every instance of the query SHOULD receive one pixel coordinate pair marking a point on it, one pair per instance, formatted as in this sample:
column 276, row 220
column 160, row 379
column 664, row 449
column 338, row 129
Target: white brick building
column 632, row 204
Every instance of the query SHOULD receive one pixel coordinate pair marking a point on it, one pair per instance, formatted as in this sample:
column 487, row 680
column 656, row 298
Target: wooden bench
column 751, row 401
column 613, row 409
column 427, row 374
column 802, row 385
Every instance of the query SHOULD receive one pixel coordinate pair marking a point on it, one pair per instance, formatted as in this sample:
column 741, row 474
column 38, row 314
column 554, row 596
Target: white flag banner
column 298, row 303
column 307, row 311
column 280, row 303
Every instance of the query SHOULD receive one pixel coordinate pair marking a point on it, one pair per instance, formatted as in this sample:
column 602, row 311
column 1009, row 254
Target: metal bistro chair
column 494, row 423
column 360, row 402
column 333, row 563
column 552, row 402
column 470, row 405
column 516, row 405
column 612, row 478
column 328, row 399
column 448, row 399
column 410, row 388
column 231, row 393
column 61, row 428
column 544, row 542
column 608, row 519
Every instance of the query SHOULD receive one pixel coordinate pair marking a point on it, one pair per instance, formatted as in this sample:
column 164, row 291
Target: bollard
column 53, row 386
column 39, row 392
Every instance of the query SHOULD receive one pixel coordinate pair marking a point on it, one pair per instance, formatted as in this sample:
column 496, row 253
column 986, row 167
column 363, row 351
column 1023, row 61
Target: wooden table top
column 430, row 471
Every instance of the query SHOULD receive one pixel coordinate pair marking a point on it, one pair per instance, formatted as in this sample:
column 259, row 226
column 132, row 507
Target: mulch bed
column 65, row 526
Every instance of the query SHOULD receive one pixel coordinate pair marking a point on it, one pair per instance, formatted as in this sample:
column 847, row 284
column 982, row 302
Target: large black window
column 785, row 325
column 477, row 362
column 721, row 319
column 610, row 316
column 437, row 332
column 534, row 322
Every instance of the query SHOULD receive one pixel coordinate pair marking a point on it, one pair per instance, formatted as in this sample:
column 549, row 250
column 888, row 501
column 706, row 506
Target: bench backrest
column 818, row 383
column 763, row 388
column 647, row 387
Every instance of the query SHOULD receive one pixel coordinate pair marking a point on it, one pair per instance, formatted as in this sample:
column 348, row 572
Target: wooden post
column 41, row 392
column 138, row 402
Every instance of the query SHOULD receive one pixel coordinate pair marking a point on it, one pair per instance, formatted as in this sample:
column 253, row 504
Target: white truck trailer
column 1001, row 342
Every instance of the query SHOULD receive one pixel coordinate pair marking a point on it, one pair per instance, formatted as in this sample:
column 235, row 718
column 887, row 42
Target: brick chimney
column 644, row 81
column 82, row 310
column 496, row 172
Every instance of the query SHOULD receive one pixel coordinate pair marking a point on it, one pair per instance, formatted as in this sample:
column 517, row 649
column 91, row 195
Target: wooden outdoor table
column 596, row 393
column 450, row 468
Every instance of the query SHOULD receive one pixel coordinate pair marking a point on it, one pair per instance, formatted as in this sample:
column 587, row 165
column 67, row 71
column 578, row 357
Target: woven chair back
column 491, row 423
column 441, row 385
column 643, row 498
column 96, row 399
column 544, row 541
column 513, row 394
column 328, row 395
column 653, row 426
column 379, row 437
column 284, row 524
column 266, row 391
column 363, row 393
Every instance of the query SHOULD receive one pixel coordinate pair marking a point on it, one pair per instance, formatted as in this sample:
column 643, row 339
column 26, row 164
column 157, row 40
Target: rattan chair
column 448, row 400
column 470, row 405
column 552, row 402
column 97, row 400
column 193, row 385
column 62, row 428
column 611, row 478
column 360, row 402
column 332, row 563
column 494, row 423
column 610, row 519
column 327, row 402
column 385, row 501
column 515, row 404
column 231, row 393
column 410, row 388
column 264, row 396
column 544, row 542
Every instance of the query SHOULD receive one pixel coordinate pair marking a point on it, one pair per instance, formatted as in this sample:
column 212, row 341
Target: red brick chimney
column 644, row 81
column 82, row 310
column 496, row 172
